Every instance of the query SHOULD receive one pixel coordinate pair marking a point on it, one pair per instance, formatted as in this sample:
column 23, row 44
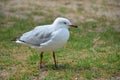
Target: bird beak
column 73, row 26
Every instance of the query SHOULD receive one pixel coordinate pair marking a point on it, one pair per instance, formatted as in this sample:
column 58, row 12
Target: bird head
column 63, row 23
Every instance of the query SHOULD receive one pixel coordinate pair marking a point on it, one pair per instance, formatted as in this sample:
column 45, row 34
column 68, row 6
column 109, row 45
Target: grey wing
column 36, row 36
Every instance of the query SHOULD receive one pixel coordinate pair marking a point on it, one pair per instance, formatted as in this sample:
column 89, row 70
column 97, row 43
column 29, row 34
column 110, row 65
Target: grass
column 92, row 52
column 82, row 57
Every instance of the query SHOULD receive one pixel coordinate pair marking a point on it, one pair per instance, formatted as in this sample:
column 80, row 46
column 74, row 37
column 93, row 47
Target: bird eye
column 65, row 23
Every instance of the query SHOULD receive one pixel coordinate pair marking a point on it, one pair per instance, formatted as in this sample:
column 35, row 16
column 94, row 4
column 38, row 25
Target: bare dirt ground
column 74, row 9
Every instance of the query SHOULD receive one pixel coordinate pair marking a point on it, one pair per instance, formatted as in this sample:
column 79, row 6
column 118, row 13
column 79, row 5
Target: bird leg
column 54, row 60
column 41, row 56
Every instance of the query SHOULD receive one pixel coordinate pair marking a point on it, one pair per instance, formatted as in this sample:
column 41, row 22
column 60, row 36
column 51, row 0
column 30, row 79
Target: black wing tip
column 16, row 38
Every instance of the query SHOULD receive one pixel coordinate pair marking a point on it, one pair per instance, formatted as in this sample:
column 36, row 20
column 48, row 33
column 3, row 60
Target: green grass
column 89, row 54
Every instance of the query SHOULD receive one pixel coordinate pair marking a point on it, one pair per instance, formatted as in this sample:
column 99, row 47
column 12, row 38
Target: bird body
column 47, row 37
column 58, row 40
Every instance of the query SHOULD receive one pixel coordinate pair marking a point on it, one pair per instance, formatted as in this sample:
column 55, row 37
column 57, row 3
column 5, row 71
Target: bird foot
column 43, row 69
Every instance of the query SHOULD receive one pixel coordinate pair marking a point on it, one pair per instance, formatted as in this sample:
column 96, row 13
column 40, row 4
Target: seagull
column 48, row 38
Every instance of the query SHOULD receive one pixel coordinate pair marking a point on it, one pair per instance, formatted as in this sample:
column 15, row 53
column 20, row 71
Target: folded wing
column 37, row 36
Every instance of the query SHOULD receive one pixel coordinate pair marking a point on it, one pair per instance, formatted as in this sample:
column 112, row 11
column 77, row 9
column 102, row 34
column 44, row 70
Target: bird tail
column 17, row 40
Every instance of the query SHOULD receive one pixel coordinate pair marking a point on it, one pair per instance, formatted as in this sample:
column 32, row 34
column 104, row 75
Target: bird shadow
column 65, row 66
column 61, row 67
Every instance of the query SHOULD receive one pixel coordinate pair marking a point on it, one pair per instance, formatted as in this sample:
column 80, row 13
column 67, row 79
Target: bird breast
column 60, row 38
